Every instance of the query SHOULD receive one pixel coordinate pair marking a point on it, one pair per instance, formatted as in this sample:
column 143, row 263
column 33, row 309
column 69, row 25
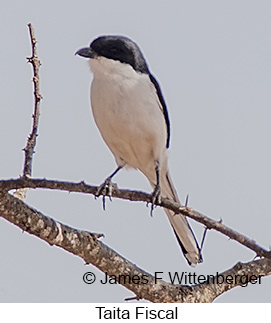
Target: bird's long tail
column 181, row 227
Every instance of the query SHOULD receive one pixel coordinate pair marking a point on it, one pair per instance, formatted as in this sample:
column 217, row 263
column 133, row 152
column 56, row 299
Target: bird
column 131, row 114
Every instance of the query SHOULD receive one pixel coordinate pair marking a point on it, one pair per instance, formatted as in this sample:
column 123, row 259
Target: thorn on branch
column 136, row 298
column 186, row 200
column 203, row 238
column 98, row 235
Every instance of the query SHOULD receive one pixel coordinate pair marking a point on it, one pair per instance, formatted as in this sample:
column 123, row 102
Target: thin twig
column 31, row 140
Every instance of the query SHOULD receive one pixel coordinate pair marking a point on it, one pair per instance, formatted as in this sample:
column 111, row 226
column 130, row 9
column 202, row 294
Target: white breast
column 128, row 114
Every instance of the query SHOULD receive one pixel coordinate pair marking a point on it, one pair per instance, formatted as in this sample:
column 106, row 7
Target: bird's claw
column 105, row 189
column 155, row 197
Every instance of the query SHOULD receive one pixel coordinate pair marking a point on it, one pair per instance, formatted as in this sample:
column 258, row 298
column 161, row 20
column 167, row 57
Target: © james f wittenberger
column 175, row 278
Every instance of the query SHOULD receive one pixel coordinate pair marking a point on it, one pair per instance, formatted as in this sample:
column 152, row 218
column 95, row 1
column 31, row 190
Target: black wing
column 163, row 103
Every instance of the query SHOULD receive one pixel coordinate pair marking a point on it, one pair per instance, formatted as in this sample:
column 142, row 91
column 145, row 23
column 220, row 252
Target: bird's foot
column 106, row 189
column 155, row 197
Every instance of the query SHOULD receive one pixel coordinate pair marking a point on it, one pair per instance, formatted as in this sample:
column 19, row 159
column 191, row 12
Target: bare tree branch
column 87, row 246
column 31, row 140
column 138, row 196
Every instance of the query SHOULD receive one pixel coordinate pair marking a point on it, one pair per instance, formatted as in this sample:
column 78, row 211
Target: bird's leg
column 107, row 187
column 156, row 194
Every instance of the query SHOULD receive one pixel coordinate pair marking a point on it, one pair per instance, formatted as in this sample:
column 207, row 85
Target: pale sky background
column 212, row 60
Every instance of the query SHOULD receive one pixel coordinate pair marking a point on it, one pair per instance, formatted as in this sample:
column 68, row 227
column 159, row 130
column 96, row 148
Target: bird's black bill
column 86, row 52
